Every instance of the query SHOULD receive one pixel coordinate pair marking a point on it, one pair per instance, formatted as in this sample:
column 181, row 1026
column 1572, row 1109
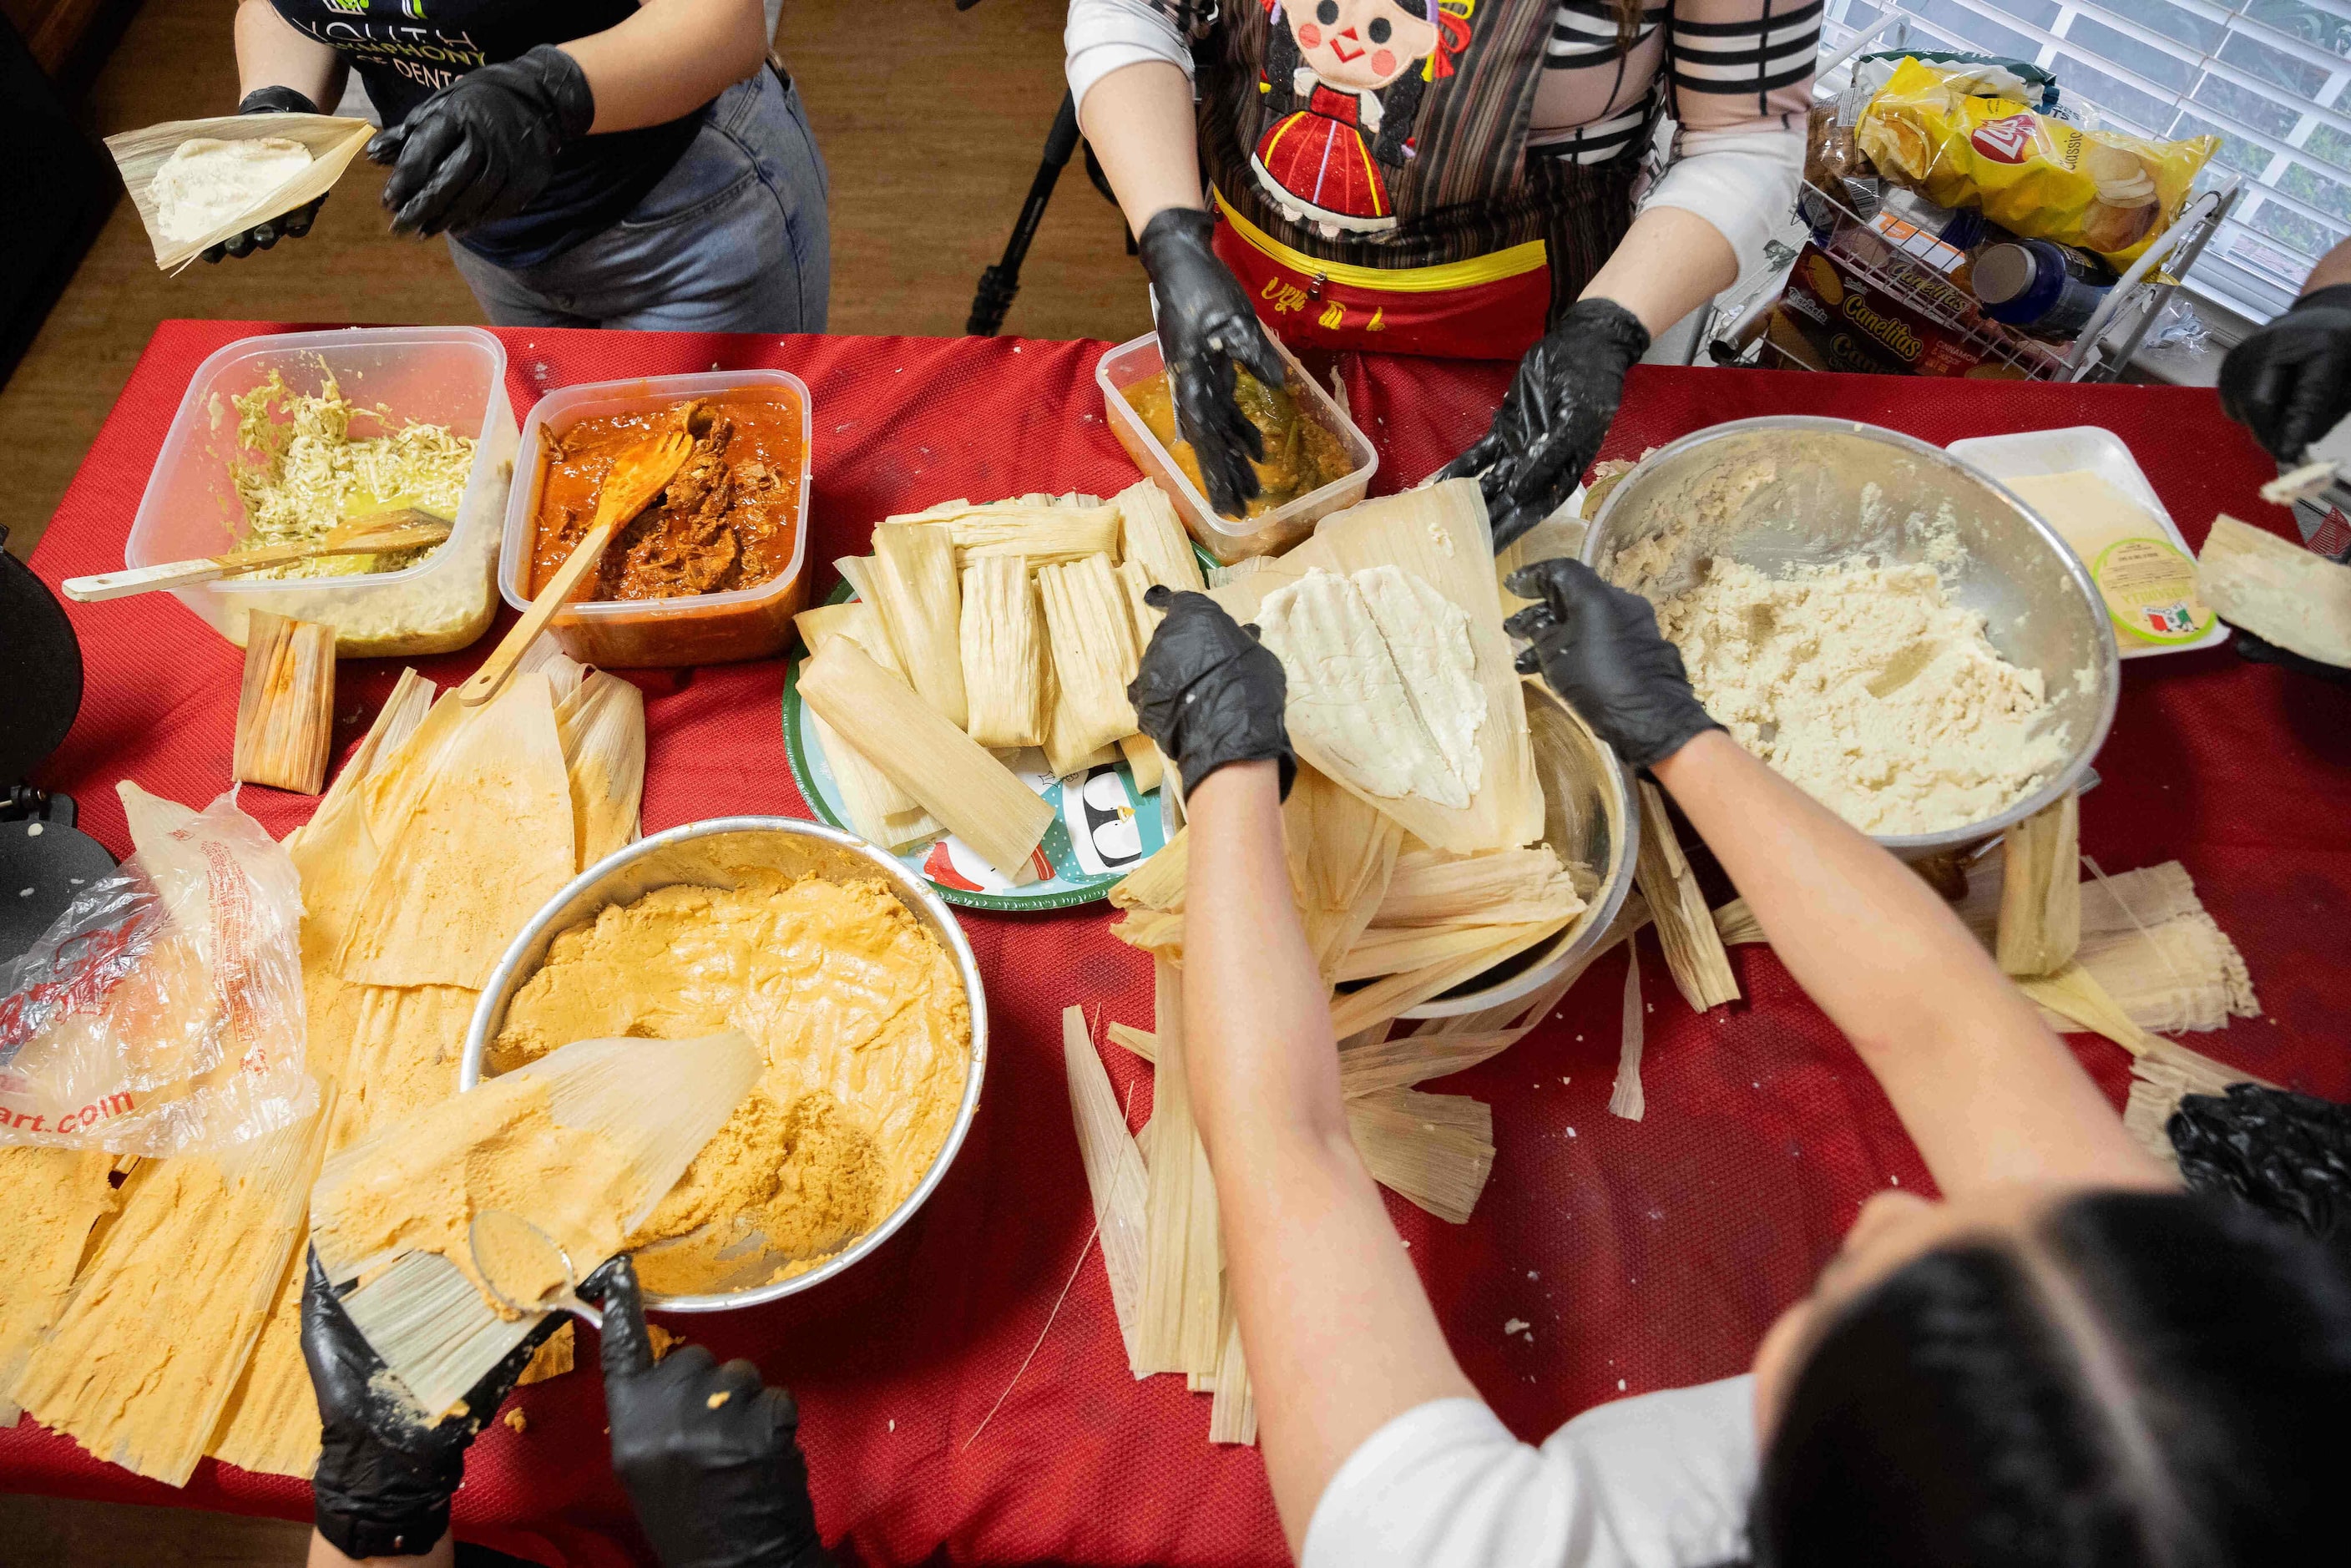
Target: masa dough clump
column 207, row 181
column 862, row 1021
column 1864, row 686
column 1382, row 681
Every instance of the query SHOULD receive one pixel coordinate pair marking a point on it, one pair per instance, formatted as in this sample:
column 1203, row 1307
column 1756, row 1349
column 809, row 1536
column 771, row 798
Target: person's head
column 2142, row 1379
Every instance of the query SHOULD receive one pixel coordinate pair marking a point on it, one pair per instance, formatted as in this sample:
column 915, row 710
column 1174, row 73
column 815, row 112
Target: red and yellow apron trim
column 1486, row 307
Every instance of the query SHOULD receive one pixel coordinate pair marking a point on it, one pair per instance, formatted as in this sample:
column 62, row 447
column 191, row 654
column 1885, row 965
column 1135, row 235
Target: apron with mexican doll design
column 1370, row 172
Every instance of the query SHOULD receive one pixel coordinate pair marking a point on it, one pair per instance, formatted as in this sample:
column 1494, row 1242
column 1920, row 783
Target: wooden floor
column 932, row 121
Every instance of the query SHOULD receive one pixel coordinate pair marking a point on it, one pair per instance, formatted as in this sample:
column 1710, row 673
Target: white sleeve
column 1657, row 1481
column 1104, row 35
column 1742, row 181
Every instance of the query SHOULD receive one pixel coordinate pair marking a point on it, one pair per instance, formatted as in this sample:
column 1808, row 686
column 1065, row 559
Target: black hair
column 2146, row 1381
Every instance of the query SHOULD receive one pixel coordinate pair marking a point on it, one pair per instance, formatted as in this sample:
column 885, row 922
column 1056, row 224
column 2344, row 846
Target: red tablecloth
column 1644, row 1254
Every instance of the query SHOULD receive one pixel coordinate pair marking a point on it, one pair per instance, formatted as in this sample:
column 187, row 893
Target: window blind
column 2271, row 77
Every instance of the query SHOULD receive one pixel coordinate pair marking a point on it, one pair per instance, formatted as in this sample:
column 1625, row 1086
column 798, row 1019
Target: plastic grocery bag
column 2103, row 191
column 162, row 1013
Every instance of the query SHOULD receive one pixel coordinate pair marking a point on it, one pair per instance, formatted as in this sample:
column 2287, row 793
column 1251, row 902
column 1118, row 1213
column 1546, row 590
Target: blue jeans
column 734, row 239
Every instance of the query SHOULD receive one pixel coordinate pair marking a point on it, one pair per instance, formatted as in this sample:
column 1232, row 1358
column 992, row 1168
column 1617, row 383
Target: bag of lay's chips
column 2101, row 190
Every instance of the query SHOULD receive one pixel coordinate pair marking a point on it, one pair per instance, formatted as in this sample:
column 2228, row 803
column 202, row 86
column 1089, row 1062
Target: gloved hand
column 2290, row 382
column 1208, row 693
column 1550, row 425
column 1206, row 323
column 707, row 1454
column 285, row 225
column 1599, row 647
column 386, row 1469
column 482, row 147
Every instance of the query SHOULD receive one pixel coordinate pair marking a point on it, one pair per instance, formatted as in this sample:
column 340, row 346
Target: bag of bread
column 2101, row 191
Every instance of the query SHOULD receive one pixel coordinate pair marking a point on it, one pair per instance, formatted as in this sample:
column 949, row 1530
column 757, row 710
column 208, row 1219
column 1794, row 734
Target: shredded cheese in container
column 311, row 473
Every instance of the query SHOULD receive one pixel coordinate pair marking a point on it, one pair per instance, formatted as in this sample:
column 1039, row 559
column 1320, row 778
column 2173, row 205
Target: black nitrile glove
column 482, row 147
column 1206, row 323
column 285, row 225
column 386, row 1469
column 2290, row 382
column 1550, row 425
column 1209, row 692
column 707, row 1454
column 1599, row 647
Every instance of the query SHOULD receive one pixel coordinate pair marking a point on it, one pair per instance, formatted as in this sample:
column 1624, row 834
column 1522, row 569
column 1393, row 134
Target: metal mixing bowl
column 714, row 854
column 1591, row 815
column 1838, row 488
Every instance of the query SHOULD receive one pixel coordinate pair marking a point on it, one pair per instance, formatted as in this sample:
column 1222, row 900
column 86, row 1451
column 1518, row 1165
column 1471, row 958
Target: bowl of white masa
column 1884, row 626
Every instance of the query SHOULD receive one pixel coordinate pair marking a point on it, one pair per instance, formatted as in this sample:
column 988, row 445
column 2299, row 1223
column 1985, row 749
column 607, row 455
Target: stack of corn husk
column 443, row 835
column 1155, row 1202
column 2122, row 955
column 981, row 630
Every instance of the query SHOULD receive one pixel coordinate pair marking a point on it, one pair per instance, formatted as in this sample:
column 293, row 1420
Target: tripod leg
column 1000, row 282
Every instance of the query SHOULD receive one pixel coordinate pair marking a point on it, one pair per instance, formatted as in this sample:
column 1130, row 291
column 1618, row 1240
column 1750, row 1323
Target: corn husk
column 333, row 140
column 1154, row 541
column 1433, row 1150
column 1115, row 1175
column 602, row 727
column 1232, row 1415
column 1625, row 1098
column 1180, row 1327
column 1158, row 882
column 57, row 1198
column 1003, row 650
column 286, row 708
column 1497, row 888
column 149, row 1345
column 2279, row 590
column 1685, row 929
column 1141, row 1042
column 2159, row 1083
column 1094, row 652
column 2039, row 922
column 920, row 598
column 1354, row 1011
column 880, row 811
column 1043, row 531
column 1144, row 762
column 951, row 776
column 1399, row 1061
column 491, row 839
column 1439, row 535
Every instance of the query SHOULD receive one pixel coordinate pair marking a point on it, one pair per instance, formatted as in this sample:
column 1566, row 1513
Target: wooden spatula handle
column 491, row 678
column 141, row 580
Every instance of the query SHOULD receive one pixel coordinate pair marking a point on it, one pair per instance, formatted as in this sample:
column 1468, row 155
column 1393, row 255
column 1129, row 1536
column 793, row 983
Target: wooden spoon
column 635, row 477
column 403, row 528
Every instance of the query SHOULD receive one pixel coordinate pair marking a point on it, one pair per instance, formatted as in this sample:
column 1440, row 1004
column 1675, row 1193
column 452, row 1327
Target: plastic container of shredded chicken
column 685, row 629
column 455, row 377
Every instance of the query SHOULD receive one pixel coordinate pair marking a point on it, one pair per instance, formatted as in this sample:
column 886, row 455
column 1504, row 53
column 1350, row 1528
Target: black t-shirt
column 407, row 50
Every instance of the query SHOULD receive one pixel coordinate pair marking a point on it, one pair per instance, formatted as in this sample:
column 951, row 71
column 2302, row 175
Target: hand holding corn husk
column 1600, row 648
column 1208, row 693
column 387, row 1469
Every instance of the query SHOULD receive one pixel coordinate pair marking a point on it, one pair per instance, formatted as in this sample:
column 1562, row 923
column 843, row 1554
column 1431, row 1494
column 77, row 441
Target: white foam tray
column 2101, row 452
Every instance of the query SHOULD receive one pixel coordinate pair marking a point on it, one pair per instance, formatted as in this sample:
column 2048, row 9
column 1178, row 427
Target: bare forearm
column 1138, row 121
column 1338, row 1332
column 1669, row 264
column 324, row 1555
column 273, row 52
column 669, row 59
column 1984, row 1089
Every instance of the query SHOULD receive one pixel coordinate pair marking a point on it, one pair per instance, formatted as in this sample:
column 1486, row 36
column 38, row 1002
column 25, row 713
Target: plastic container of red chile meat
column 690, row 629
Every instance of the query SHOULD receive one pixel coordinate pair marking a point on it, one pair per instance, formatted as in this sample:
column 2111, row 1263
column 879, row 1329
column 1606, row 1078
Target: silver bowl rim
column 2110, row 669
column 1594, row 924
column 505, row 978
